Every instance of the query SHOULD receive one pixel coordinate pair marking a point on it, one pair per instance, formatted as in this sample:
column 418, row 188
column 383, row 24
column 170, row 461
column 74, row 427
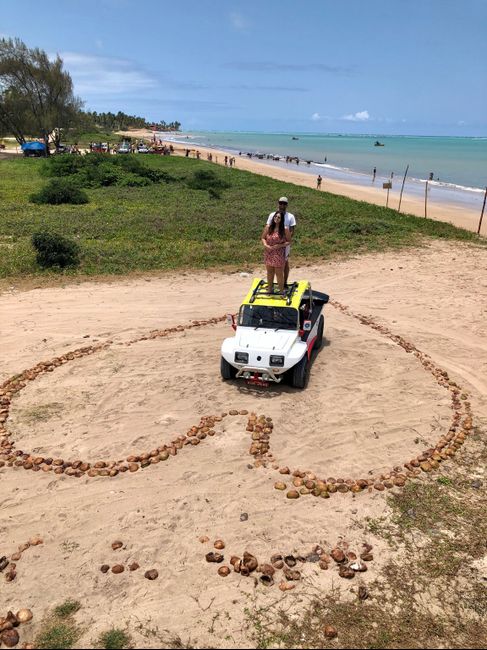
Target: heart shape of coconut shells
column 260, row 427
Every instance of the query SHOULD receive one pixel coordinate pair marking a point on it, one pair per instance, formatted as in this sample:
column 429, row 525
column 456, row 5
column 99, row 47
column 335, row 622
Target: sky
column 412, row 67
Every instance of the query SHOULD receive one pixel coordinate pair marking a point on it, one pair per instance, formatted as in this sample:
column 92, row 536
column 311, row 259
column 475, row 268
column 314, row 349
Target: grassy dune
column 169, row 226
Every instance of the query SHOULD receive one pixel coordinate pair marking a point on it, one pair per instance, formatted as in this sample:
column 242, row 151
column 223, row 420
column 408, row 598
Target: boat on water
column 378, row 144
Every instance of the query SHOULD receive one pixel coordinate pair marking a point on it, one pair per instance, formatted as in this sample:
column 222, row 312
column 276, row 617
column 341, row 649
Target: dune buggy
column 275, row 335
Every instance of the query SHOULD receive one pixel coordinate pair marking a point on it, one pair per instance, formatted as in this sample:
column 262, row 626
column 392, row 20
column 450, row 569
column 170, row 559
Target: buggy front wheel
column 227, row 370
column 319, row 336
column 300, row 373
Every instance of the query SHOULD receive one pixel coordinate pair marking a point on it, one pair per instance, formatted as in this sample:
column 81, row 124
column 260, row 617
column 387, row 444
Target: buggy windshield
column 284, row 318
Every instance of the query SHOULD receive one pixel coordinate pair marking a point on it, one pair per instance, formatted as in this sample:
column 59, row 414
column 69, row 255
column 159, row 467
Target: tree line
column 121, row 121
column 37, row 99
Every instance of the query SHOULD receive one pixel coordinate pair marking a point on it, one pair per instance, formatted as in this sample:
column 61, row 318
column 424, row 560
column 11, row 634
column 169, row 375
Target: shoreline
column 466, row 218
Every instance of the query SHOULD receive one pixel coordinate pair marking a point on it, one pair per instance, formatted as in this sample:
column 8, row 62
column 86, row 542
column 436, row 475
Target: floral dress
column 275, row 257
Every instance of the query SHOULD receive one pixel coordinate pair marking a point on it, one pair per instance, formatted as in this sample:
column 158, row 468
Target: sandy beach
column 369, row 406
column 463, row 218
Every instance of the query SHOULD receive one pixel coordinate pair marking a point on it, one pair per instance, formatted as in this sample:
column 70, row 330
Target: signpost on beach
column 402, row 188
column 482, row 213
column 387, row 186
column 426, row 200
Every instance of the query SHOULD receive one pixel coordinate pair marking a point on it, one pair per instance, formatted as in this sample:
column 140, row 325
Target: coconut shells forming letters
column 309, row 484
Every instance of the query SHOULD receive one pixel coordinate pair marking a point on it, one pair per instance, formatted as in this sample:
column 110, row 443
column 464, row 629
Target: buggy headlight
column 241, row 357
column 276, row 360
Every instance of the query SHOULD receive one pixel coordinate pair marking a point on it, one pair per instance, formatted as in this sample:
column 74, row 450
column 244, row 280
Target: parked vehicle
column 142, row 148
column 275, row 335
column 124, row 148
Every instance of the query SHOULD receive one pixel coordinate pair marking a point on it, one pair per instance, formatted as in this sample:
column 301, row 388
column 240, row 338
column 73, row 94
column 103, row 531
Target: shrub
column 214, row 194
column 114, row 639
column 65, row 165
column 132, row 180
column 206, row 179
column 100, row 175
column 60, row 190
column 54, row 250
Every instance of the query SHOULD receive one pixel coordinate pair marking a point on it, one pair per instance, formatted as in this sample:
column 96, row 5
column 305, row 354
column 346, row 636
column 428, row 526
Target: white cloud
column 98, row 75
column 238, row 21
column 361, row 116
column 316, row 117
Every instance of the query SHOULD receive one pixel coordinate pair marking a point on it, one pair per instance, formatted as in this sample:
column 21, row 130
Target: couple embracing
column 276, row 239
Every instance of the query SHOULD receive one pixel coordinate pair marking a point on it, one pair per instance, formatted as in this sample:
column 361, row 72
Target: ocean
column 458, row 165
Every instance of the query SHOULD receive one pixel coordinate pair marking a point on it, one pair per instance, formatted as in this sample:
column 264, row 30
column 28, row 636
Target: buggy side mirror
column 231, row 321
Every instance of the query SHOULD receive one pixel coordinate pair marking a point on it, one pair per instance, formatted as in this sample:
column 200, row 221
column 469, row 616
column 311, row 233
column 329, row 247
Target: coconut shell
column 134, row 566
column 286, row 586
column 292, row 494
column 118, row 568
column 345, row 572
column 214, row 557
column 279, row 485
column 151, row 574
column 223, row 571
column 250, row 561
column 24, row 615
column 219, row 544
column 9, row 638
column 104, row 568
column 116, row 545
column 330, row 631
column 338, row 555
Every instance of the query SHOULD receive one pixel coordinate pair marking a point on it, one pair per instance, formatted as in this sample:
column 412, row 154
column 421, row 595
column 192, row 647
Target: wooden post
column 402, row 188
column 387, row 199
column 426, row 200
column 482, row 213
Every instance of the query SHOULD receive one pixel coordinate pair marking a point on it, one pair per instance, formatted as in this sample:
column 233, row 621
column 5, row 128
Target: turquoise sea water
column 459, row 165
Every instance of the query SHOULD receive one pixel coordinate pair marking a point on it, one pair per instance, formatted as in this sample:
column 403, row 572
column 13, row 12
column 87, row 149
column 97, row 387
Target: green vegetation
column 59, row 191
column 66, row 609
column 429, row 593
column 60, row 635
column 59, row 630
column 54, row 250
column 114, row 639
column 170, row 225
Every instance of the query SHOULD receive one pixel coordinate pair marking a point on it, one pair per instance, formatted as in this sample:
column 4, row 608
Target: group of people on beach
column 276, row 239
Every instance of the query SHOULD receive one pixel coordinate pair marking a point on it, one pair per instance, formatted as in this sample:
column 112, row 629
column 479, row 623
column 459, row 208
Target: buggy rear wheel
column 227, row 370
column 300, row 373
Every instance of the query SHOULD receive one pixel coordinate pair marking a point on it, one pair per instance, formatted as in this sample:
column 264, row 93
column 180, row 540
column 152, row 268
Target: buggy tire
column 300, row 373
column 319, row 336
column 227, row 370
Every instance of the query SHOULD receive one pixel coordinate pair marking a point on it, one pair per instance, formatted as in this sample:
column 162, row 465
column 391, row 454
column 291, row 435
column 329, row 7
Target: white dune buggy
column 274, row 335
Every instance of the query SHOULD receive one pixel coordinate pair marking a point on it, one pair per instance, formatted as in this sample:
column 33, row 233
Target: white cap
column 283, row 199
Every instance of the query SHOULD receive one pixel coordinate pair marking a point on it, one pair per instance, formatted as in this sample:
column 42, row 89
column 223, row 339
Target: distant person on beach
column 374, row 173
column 325, row 158
column 290, row 223
column 226, row 160
column 318, row 182
column 275, row 238
column 431, row 176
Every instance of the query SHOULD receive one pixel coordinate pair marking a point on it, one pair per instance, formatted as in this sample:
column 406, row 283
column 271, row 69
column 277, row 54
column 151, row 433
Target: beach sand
column 461, row 217
column 368, row 406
